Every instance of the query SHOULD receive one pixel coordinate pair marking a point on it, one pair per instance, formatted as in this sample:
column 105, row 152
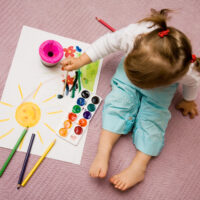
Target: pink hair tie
column 163, row 33
column 194, row 58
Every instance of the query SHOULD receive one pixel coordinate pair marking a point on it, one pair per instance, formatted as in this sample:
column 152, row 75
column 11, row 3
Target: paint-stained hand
column 72, row 63
column 187, row 108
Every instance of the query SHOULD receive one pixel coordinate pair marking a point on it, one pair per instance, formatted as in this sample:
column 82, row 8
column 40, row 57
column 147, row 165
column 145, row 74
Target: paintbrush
column 60, row 96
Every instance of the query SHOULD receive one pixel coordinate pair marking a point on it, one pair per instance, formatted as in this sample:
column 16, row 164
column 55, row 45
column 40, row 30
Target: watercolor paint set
column 76, row 122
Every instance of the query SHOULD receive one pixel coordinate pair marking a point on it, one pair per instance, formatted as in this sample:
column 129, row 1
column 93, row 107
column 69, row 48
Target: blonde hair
column 156, row 61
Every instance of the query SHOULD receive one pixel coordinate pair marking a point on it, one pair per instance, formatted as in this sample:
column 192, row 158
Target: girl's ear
column 197, row 64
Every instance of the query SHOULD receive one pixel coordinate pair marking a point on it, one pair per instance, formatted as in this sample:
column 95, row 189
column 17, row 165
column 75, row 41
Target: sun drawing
column 28, row 114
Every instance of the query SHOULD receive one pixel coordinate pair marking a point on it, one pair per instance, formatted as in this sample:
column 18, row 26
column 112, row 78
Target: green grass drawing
column 88, row 75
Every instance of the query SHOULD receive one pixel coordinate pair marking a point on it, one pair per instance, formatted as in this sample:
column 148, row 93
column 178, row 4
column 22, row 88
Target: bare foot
column 129, row 177
column 99, row 166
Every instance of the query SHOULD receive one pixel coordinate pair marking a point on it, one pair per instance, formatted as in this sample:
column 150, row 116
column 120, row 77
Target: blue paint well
column 81, row 101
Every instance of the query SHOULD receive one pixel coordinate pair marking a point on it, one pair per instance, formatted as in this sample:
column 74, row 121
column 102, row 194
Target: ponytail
column 158, row 18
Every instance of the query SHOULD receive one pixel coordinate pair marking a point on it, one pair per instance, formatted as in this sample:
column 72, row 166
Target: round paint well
column 81, row 101
column 59, row 96
column 91, row 107
column 76, row 109
column 85, row 94
column 82, row 122
column 87, row 115
column 63, row 132
column 67, row 124
column 72, row 116
column 78, row 130
column 95, row 100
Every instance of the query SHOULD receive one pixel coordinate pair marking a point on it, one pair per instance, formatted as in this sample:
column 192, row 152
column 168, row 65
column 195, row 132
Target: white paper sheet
column 28, row 72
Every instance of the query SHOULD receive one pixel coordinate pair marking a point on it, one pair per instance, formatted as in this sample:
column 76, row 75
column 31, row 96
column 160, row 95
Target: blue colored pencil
column 25, row 161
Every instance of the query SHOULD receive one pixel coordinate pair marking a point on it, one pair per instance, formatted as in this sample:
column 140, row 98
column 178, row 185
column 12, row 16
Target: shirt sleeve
column 191, row 83
column 122, row 39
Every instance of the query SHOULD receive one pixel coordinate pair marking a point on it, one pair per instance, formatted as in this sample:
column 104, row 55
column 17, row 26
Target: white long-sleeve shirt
column 124, row 39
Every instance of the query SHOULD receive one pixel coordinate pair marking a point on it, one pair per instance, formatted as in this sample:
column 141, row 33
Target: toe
column 96, row 173
column 114, row 179
column 118, row 184
column 117, row 181
column 92, row 174
column 124, row 187
column 121, row 185
column 102, row 173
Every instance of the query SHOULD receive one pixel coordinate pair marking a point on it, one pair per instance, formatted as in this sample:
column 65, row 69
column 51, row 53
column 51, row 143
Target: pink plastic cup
column 51, row 52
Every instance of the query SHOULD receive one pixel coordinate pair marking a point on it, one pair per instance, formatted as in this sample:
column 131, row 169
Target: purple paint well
column 87, row 115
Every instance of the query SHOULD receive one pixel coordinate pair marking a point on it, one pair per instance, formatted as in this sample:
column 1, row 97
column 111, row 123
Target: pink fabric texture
column 51, row 51
column 174, row 175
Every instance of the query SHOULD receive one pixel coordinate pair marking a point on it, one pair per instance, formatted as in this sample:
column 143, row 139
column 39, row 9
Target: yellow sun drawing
column 28, row 114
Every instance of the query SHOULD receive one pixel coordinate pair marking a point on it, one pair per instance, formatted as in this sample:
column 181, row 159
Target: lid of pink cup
column 51, row 51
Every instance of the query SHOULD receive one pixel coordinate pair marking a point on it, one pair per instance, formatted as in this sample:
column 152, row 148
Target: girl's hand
column 187, row 108
column 72, row 63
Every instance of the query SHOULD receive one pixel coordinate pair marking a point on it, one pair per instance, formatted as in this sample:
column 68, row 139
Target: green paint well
column 76, row 109
column 91, row 107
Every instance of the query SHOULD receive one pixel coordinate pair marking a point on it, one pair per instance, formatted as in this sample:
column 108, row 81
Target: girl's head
column 158, row 61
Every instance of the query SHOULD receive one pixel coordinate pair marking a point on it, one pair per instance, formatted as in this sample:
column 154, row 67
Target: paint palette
column 76, row 122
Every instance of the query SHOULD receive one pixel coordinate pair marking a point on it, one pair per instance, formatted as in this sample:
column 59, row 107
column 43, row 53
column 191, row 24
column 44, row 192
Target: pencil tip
column 18, row 186
column 97, row 18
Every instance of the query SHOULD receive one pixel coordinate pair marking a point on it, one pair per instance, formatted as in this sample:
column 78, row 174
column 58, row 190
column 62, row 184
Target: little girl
column 157, row 58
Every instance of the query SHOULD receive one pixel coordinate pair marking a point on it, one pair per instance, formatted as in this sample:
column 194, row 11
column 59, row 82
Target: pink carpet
column 173, row 175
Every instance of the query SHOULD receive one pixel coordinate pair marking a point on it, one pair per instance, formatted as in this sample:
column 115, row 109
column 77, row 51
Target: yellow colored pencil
column 37, row 164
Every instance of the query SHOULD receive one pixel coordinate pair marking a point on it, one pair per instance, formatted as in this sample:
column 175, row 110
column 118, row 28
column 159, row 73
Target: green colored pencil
column 13, row 151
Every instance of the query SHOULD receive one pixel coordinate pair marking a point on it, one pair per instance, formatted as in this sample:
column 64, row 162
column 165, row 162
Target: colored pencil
column 38, row 163
column 13, row 151
column 25, row 161
column 105, row 24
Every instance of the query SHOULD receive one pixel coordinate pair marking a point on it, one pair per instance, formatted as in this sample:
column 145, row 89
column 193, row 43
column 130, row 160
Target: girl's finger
column 192, row 114
column 178, row 107
column 69, row 68
column 196, row 112
column 185, row 112
column 67, row 61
